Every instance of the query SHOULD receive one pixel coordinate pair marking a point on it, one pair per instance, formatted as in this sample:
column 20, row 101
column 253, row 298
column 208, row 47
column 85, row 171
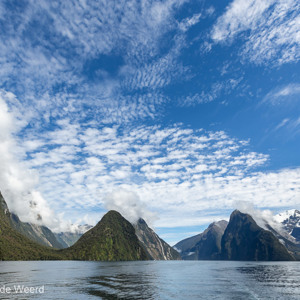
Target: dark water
column 150, row 280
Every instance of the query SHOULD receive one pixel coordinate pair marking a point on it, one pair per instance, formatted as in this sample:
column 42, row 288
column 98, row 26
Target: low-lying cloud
column 17, row 182
column 129, row 205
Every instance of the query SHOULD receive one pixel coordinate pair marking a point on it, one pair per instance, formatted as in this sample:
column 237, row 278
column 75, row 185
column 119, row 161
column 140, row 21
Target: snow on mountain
column 290, row 220
column 286, row 215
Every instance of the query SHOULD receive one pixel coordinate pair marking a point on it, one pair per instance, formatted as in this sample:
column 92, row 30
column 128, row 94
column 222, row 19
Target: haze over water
column 152, row 280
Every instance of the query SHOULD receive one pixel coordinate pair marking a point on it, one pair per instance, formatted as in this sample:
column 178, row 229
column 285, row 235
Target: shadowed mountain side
column 112, row 239
column 15, row 246
column 203, row 246
column 243, row 239
column 289, row 241
column 296, row 233
column 156, row 248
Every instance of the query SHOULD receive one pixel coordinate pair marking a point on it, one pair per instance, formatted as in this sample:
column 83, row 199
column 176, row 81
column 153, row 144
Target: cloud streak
column 54, row 58
column 270, row 30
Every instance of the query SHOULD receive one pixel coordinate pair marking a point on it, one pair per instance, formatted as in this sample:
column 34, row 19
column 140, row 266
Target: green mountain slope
column 15, row 246
column 112, row 239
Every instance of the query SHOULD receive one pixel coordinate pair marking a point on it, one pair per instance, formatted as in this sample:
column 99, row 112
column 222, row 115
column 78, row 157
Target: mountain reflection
column 273, row 275
column 190, row 280
column 121, row 285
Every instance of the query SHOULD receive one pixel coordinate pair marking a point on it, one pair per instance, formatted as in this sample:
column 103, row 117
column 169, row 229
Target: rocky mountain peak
column 243, row 239
column 156, row 248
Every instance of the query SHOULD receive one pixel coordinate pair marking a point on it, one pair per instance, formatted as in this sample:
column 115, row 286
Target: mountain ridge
column 156, row 247
column 112, row 239
column 203, row 246
column 243, row 239
column 15, row 246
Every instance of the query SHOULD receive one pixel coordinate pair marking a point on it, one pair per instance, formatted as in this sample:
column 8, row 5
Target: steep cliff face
column 38, row 233
column 3, row 206
column 156, row 248
column 204, row 246
column 112, row 239
column 243, row 239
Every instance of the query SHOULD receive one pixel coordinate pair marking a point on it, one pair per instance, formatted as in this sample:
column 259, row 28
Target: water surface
column 150, row 280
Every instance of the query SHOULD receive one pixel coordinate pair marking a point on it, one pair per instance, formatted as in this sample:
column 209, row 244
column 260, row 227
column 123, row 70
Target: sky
column 175, row 111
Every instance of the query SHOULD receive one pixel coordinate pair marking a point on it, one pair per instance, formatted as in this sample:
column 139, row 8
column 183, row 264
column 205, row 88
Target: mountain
column 40, row 234
column 15, row 246
column 112, row 239
column 68, row 238
column 287, row 240
column 44, row 236
column 243, row 239
column 290, row 219
column 155, row 247
column 203, row 246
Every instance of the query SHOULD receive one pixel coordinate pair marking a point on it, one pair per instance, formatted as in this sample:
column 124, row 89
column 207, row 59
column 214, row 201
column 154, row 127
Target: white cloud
column 177, row 173
column 271, row 29
column 284, row 101
column 17, row 182
column 217, row 90
column 239, row 16
column 129, row 205
column 189, row 22
column 49, row 66
column 283, row 95
column 263, row 217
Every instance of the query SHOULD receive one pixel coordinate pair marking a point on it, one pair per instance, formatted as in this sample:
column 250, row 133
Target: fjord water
column 151, row 280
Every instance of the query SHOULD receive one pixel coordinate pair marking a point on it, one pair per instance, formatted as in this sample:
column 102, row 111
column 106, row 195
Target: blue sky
column 176, row 111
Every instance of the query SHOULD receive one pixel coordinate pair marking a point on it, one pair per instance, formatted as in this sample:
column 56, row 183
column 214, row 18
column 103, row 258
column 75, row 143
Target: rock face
column 15, row 246
column 287, row 240
column 112, row 239
column 204, row 246
column 243, row 239
column 40, row 234
column 156, row 248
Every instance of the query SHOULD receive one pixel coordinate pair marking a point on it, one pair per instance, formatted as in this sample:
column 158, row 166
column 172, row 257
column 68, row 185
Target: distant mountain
column 112, row 239
column 15, row 246
column 203, row 246
column 156, row 248
column 243, row 239
column 290, row 219
column 67, row 239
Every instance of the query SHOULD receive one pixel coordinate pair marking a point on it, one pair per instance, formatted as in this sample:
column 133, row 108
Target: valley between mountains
column 114, row 238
